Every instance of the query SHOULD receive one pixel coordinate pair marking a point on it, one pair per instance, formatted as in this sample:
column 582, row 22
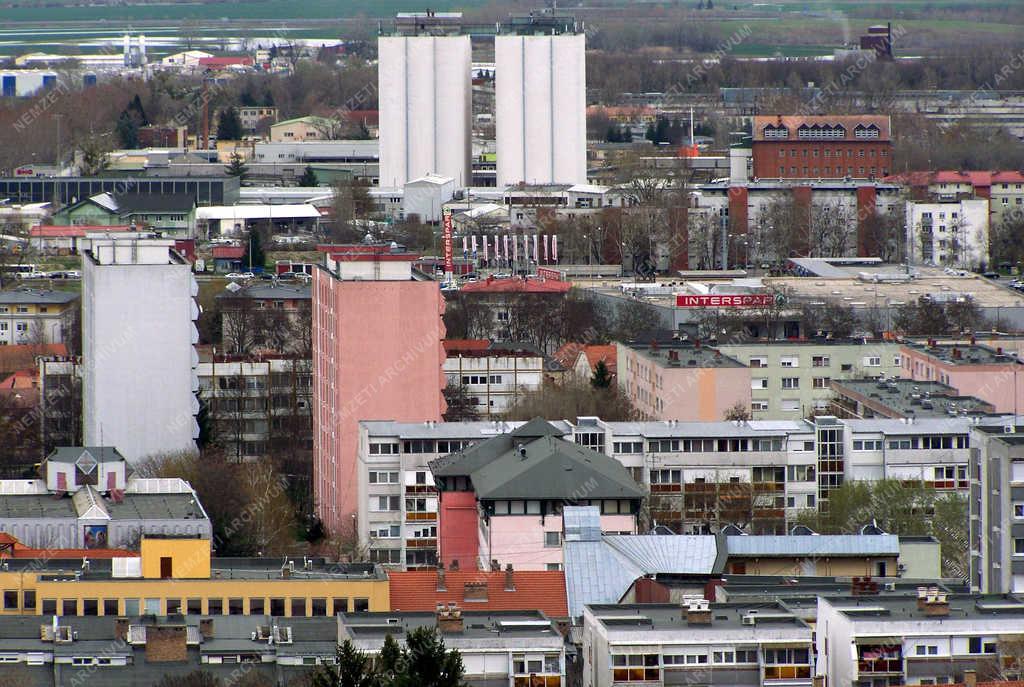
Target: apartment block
column 518, row 648
column 494, row 374
column 681, row 380
column 790, row 380
column 973, row 369
column 258, row 404
column 138, row 333
column 36, row 316
column 377, row 352
column 996, row 527
column 701, row 476
column 697, row 642
column 935, row 638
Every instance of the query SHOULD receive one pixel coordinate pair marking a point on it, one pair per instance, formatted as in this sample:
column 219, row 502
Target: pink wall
column 519, row 539
column 1002, row 385
column 383, row 363
column 457, row 528
column 685, row 393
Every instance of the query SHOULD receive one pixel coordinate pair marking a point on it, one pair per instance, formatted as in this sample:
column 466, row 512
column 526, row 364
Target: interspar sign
column 732, row 300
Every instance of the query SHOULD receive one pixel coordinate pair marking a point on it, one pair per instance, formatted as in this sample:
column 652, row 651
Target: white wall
column 138, row 336
column 972, row 218
column 425, row 106
column 540, row 105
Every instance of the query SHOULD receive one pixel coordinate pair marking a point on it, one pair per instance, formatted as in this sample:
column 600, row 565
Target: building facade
column 493, row 374
column 997, row 509
column 36, row 316
column 821, row 146
column 989, row 374
column 366, row 302
column 952, row 234
column 138, row 337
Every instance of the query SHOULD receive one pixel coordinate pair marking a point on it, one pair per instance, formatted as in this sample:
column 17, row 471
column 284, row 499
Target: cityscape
column 613, row 343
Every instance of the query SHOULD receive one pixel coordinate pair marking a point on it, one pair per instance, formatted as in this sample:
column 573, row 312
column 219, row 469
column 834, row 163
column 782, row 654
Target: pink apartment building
column 972, row 369
column 520, row 482
column 681, row 380
column 377, row 354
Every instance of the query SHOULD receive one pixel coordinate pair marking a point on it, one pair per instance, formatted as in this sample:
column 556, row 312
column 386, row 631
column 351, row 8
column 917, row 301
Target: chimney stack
column 449, row 618
column 495, row 566
column 121, row 629
column 206, row 627
column 698, row 612
column 455, row 565
column 441, row 586
column 936, row 605
column 510, row 582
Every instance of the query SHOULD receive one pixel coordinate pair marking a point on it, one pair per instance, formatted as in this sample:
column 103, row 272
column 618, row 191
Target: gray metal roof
column 36, row 296
column 71, row 454
column 36, row 506
column 155, row 507
column 275, row 291
column 814, row 545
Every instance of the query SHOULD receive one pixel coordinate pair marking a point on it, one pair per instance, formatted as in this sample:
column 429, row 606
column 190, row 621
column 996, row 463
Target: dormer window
column 870, row 131
column 776, row 132
column 86, row 465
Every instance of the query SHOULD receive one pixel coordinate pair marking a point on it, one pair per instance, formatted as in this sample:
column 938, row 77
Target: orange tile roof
column 543, row 590
column 596, row 354
column 21, row 551
column 23, row 356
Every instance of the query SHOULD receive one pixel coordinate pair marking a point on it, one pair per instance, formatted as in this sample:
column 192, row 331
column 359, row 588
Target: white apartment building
column 769, row 470
column 138, row 337
column 495, row 376
column 996, row 527
column 949, row 234
column 735, row 644
column 932, row 639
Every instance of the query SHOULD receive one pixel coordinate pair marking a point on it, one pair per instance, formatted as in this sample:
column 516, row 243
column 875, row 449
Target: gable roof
column 848, row 122
column 23, row 356
column 71, row 454
column 535, row 462
column 542, row 590
column 228, row 252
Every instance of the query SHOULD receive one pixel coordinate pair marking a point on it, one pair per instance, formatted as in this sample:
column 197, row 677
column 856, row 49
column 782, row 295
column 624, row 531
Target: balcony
column 421, row 543
column 419, row 516
column 666, row 488
column 787, row 672
column 420, row 489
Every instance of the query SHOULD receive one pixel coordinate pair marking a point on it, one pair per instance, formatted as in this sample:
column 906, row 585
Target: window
column 760, row 361
column 759, row 405
column 872, row 361
column 1018, row 547
column 319, row 606
column 867, row 445
column 298, row 608
column 820, row 361
column 552, row 539
column 383, row 477
column 386, row 556
column 667, row 476
column 821, row 382
column 382, row 504
column 255, row 605
column 419, row 446
column 926, row 650
column 628, row 447
column 386, row 532
column 759, row 383
column 236, row 606
column 69, row 607
column 360, row 605
column 800, row 473
column 215, row 606
column 774, row 657
column 790, row 382
column 383, row 449
column 50, row 606
column 663, row 446
column 1018, row 510
column 791, row 404
column 173, row 606
column 636, row 668
column 110, row 606
column 789, row 361
column 277, row 607
column 10, row 599
column 193, row 606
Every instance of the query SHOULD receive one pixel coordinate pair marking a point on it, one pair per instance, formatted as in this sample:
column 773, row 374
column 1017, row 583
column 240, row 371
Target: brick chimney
column 698, row 612
column 121, row 628
column 441, row 584
column 495, row 565
column 936, row 605
column 455, row 565
column 206, row 628
column 449, row 618
column 166, row 644
column 510, row 582
column 474, row 591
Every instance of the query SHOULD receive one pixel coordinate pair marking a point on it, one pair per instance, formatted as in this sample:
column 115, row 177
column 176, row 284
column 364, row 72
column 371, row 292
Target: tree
column 602, row 378
column 308, row 177
column 634, row 319
column 197, row 678
column 898, row 507
column 460, row 407
column 254, row 256
column 1005, row 244
column 832, row 319
column 739, row 411
column 352, row 669
column 229, row 125
column 93, row 152
column 573, row 398
column 423, row 662
column 127, row 131
column 236, row 167
column 352, row 202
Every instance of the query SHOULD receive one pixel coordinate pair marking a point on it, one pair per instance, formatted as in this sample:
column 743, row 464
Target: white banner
column 554, row 247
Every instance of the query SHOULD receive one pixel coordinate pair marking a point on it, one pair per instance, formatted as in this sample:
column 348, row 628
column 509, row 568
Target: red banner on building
column 725, row 300
column 548, row 273
column 446, row 240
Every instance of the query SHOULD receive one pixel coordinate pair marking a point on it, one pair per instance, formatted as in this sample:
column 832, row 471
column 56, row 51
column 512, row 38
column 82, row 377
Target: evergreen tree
column 626, row 135
column 127, row 130
column 229, row 125
column 651, row 134
column 254, row 257
column 136, row 106
column 236, row 167
column 352, row 669
column 602, row 378
column 308, row 177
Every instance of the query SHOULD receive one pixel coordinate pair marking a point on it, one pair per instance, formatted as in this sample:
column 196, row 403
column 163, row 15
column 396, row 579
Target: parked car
column 240, row 275
column 33, row 275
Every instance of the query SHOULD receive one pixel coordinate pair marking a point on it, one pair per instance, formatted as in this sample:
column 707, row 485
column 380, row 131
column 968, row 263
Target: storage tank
column 425, row 97
column 540, row 104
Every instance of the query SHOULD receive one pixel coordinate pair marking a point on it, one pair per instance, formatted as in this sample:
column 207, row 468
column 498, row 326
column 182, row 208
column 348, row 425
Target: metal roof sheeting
column 814, row 545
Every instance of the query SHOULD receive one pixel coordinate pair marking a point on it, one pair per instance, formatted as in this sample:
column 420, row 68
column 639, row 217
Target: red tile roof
column 23, row 356
column 976, row 178
column 47, row 231
column 228, row 252
column 543, row 590
column 457, row 345
column 596, row 354
column 516, row 285
column 21, row 551
column 849, row 122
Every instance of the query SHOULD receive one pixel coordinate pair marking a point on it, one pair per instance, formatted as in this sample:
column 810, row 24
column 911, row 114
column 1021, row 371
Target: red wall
column 767, row 161
column 457, row 529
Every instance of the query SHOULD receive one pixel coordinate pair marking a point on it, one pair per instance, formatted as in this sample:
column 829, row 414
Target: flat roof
column 898, row 397
column 36, row 297
column 686, row 354
column 962, row 354
column 875, row 608
column 672, row 617
column 492, row 625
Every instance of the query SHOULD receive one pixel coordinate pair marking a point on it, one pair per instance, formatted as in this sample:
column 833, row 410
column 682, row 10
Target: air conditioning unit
column 749, row 619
